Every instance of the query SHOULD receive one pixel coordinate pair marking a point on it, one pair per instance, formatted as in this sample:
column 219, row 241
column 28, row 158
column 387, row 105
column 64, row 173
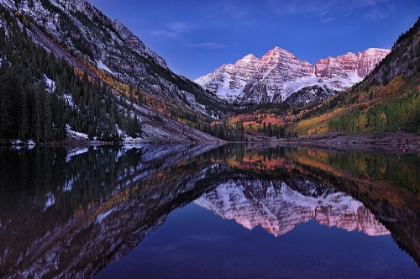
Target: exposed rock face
column 363, row 63
column 369, row 59
column 328, row 67
column 275, row 69
column 279, row 208
column 135, row 43
column 340, row 66
column 279, row 74
column 91, row 23
column 349, row 62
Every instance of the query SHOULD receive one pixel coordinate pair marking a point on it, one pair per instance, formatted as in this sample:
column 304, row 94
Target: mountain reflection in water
column 70, row 214
column 279, row 208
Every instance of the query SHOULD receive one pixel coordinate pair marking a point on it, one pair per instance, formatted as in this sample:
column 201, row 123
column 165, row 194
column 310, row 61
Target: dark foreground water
column 196, row 212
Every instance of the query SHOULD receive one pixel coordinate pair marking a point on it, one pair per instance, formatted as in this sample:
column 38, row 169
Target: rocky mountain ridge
column 403, row 60
column 279, row 74
column 82, row 38
column 85, row 33
column 47, row 14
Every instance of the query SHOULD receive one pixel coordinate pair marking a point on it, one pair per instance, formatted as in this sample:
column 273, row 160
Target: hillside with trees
column 387, row 100
column 48, row 92
column 40, row 95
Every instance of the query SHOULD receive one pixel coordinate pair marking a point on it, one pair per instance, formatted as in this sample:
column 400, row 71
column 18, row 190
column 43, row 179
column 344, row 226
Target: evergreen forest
column 30, row 108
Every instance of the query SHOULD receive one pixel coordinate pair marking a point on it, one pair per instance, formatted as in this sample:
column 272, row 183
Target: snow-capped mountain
column 279, row 207
column 279, row 74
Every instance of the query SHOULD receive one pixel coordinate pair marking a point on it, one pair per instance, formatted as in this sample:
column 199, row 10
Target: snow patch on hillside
column 102, row 216
column 75, row 134
column 334, row 83
column 51, row 85
column 102, row 66
column 50, row 200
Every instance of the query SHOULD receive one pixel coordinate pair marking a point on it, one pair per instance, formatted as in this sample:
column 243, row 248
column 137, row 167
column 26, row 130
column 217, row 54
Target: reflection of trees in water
column 388, row 184
column 78, row 213
column 94, row 207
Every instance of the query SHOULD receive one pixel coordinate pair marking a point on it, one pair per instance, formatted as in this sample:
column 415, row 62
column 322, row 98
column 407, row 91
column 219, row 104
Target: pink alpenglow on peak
column 279, row 74
column 368, row 59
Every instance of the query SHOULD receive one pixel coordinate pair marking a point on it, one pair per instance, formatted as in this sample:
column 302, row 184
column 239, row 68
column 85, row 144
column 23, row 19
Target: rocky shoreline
column 382, row 142
column 388, row 140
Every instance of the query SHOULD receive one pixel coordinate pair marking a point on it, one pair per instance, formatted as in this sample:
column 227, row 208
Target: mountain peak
column 369, row 59
column 249, row 58
column 279, row 74
column 76, row 2
column 375, row 50
column 279, row 50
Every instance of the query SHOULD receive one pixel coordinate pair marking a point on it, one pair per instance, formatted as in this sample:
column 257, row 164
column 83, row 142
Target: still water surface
column 196, row 212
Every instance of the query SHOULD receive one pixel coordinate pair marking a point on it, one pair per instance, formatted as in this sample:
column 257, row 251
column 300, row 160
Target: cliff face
column 340, row 66
column 279, row 74
column 369, row 59
column 343, row 65
column 279, row 207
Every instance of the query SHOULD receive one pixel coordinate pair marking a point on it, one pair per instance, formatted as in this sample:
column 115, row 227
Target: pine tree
column 38, row 112
column 5, row 118
column 47, row 118
column 7, row 97
column 24, row 117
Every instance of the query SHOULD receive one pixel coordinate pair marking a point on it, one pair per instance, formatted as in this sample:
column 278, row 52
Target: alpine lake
column 197, row 211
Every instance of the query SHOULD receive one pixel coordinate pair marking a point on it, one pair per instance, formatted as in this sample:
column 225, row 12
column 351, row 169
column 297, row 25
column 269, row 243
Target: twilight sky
column 196, row 37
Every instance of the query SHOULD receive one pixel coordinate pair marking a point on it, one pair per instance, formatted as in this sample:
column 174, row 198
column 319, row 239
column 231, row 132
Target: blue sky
column 196, row 37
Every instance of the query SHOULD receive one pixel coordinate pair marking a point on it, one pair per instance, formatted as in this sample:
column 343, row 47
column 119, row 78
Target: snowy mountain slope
column 103, row 113
column 156, row 127
column 83, row 35
column 279, row 208
column 53, row 14
column 279, row 74
column 310, row 94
